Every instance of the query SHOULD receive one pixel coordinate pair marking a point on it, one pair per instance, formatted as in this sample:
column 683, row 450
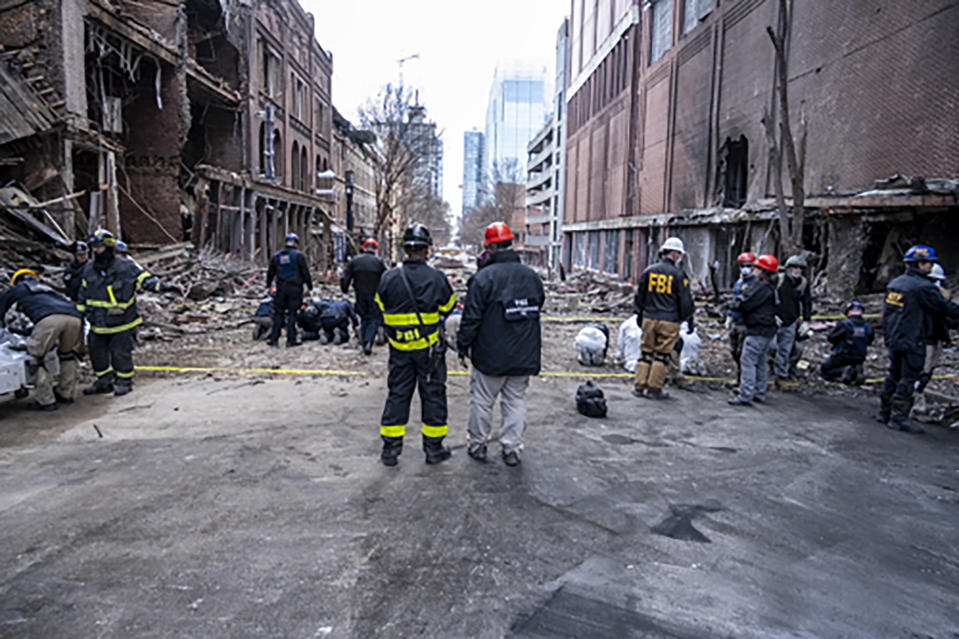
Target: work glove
column 171, row 288
column 728, row 325
column 804, row 331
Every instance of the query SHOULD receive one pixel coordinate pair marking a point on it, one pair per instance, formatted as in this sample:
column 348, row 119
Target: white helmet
column 937, row 273
column 672, row 244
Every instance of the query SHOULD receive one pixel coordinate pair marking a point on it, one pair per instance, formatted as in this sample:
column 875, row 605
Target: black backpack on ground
column 590, row 400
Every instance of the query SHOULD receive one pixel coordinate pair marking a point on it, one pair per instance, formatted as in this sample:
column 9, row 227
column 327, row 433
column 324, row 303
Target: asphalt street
column 207, row 507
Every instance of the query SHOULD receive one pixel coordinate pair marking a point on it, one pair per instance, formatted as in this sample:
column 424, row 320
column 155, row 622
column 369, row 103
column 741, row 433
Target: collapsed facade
column 665, row 135
column 201, row 120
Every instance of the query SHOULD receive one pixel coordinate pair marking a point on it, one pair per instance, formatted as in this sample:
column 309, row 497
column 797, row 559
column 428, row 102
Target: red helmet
column 767, row 262
column 368, row 242
column 746, row 258
column 497, row 232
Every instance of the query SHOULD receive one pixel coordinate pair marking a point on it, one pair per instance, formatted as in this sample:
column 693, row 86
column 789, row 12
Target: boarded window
column 662, row 29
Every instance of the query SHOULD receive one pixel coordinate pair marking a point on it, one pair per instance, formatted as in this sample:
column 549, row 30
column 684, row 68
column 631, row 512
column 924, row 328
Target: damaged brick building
column 202, row 120
column 665, row 101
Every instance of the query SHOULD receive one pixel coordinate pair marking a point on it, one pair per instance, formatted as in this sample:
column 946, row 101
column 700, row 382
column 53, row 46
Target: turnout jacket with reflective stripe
column 108, row 297
column 434, row 297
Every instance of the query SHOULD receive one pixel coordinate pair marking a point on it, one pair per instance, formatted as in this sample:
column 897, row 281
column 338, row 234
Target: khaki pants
column 659, row 339
column 512, row 392
column 68, row 331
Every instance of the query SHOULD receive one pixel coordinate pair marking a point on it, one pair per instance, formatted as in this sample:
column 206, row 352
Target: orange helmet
column 497, row 232
column 746, row 258
column 768, row 262
column 368, row 242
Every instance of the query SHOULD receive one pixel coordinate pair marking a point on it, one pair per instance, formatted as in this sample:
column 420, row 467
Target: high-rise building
column 472, row 169
column 518, row 107
column 429, row 168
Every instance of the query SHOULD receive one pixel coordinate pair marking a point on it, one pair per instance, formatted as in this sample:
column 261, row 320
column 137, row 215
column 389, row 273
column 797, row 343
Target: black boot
column 98, row 388
column 123, row 387
column 435, row 451
column 860, row 376
column 899, row 417
column 885, row 408
column 392, row 447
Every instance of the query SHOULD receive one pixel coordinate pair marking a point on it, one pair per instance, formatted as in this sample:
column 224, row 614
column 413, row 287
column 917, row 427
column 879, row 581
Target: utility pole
column 401, row 61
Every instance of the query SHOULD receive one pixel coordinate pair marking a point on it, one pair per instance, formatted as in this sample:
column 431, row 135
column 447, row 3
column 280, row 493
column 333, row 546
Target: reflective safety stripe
column 81, row 308
column 113, row 300
column 393, row 431
column 435, row 431
column 110, row 330
column 102, row 373
column 410, row 319
column 416, row 345
column 125, row 375
column 446, row 308
column 142, row 276
column 379, row 302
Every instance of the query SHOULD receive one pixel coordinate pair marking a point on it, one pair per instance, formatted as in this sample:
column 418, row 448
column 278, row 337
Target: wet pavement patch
column 567, row 615
column 679, row 524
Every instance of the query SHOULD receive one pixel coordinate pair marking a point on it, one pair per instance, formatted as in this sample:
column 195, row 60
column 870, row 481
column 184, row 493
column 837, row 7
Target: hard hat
column 855, row 305
column 80, row 247
column 920, row 253
column 292, row 237
column 102, row 237
column 368, row 242
column 937, row 272
column 121, row 246
column 24, row 272
column 497, row 232
column 416, row 236
column 796, row 260
column 767, row 262
column 672, row 244
column 746, row 258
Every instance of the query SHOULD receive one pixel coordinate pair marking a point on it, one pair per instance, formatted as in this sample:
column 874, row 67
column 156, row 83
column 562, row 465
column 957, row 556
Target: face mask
column 746, row 271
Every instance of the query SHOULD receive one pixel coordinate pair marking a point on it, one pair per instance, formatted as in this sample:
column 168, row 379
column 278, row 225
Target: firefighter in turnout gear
column 291, row 271
column 910, row 301
column 72, row 272
column 364, row 272
column 412, row 298
column 56, row 321
column 662, row 302
column 108, row 300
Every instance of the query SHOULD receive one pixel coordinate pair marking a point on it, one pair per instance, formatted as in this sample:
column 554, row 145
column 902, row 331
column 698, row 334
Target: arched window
column 295, row 166
column 277, row 154
column 304, row 166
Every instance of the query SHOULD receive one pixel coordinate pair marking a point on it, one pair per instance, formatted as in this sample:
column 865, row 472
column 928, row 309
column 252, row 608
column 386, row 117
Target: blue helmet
column 920, row 253
column 292, row 237
column 121, row 246
column 855, row 305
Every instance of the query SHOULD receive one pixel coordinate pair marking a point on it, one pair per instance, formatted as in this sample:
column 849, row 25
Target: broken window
column 611, row 252
column 662, row 24
column 593, row 249
column 736, row 160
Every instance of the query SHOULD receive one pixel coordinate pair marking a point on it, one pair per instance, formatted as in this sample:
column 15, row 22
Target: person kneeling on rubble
column 662, row 301
column 850, row 339
column 758, row 310
column 56, row 321
column 108, row 300
column 263, row 316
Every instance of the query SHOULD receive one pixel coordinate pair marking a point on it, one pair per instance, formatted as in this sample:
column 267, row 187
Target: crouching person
column 758, row 310
column 500, row 333
column 56, row 321
column 850, row 339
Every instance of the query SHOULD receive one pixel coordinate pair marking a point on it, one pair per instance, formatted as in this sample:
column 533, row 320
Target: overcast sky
column 459, row 43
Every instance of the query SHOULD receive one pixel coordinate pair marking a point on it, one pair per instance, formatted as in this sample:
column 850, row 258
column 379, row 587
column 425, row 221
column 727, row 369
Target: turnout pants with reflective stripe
column 483, row 391
column 112, row 356
column 67, row 332
column 409, row 369
column 656, row 346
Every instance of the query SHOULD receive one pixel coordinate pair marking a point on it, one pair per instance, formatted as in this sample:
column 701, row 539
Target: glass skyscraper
column 518, row 107
column 472, row 169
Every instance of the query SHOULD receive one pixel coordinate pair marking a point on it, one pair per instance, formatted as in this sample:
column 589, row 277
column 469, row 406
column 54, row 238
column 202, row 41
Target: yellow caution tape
column 572, row 319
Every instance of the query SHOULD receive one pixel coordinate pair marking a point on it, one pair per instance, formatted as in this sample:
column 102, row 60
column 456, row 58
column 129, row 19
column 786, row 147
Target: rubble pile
column 588, row 293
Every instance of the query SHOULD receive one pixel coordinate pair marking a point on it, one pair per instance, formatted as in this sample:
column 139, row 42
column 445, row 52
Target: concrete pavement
column 249, row 508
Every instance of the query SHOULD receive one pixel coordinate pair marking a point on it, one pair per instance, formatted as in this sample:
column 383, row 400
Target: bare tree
column 502, row 195
column 404, row 142
column 429, row 209
column 783, row 144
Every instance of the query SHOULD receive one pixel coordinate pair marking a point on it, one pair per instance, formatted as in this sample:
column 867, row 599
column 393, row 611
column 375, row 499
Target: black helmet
column 416, row 236
column 103, row 237
column 80, row 247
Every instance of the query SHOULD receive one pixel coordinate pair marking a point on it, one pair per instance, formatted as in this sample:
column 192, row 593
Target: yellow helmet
column 20, row 273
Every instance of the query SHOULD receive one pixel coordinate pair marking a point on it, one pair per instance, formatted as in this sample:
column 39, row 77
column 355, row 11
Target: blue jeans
column 754, row 368
column 785, row 338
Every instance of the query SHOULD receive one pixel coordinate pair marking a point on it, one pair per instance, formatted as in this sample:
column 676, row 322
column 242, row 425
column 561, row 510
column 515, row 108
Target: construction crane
column 402, row 61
